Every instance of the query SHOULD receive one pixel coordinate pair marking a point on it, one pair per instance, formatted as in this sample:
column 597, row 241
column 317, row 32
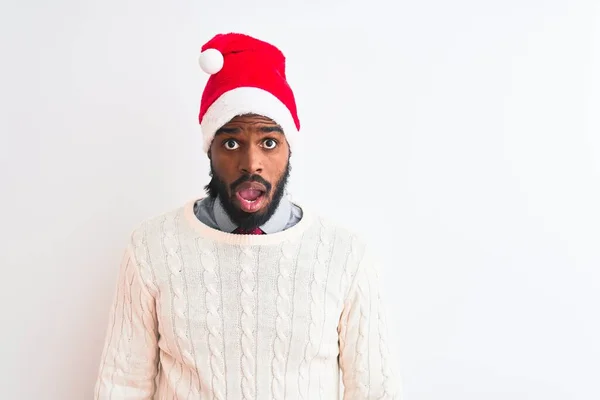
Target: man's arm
column 365, row 359
column 129, row 360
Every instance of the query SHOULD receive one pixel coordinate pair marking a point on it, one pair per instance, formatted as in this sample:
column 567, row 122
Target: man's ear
column 209, row 155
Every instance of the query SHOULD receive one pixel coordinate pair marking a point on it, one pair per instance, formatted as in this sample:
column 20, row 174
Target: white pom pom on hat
column 211, row 61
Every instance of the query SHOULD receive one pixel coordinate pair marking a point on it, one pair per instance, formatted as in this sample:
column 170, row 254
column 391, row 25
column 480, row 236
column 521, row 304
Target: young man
column 244, row 294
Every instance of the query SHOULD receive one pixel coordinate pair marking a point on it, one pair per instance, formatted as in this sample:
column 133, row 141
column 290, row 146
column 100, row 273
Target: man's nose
column 251, row 161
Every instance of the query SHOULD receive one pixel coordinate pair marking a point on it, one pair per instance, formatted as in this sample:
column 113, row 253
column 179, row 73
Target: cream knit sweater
column 204, row 314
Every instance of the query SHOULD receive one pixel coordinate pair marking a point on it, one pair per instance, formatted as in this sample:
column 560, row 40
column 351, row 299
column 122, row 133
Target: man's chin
column 256, row 208
column 247, row 219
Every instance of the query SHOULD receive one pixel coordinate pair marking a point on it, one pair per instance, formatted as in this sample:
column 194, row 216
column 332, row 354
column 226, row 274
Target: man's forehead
column 251, row 119
column 251, row 122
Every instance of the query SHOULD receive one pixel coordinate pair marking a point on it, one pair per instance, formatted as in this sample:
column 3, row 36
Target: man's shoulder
column 345, row 242
column 337, row 229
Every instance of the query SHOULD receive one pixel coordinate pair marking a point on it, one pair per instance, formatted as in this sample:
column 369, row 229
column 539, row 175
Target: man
column 244, row 294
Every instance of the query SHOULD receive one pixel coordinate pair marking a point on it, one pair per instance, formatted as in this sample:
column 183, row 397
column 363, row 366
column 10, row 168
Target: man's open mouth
column 251, row 196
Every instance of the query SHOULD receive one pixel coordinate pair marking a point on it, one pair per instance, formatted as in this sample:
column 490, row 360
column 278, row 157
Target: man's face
column 250, row 166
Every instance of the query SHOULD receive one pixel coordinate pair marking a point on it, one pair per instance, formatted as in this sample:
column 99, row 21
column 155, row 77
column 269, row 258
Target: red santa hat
column 247, row 76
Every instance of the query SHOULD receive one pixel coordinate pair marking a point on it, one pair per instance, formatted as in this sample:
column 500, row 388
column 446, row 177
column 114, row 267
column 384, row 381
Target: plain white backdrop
column 462, row 138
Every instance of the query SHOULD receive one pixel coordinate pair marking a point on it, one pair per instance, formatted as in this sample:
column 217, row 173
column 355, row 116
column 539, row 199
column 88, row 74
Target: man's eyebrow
column 263, row 129
column 223, row 130
column 272, row 128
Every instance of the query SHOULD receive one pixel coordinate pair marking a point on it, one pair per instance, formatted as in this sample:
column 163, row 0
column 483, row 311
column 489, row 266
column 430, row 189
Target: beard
column 245, row 220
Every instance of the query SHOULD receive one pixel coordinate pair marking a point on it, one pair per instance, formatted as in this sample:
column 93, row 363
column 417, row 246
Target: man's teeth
column 253, row 201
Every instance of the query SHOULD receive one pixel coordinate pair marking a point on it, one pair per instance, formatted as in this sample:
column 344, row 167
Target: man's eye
column 270, row 143
column 231, row 144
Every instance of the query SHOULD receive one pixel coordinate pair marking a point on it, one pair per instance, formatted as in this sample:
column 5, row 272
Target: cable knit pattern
column 214, row 322
column 131, row 336
column 351, row 261
column 283, row 318
column 139, row 244
column 360, row 361
column 225, row 316
column 364, row 354
column 126, row 326
column 386, row 369
column 248, row 321
column 315, row 307
column 324, row 252
column 178, row 303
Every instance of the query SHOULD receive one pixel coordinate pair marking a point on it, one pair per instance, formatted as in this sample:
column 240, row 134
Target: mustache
column 250, row 178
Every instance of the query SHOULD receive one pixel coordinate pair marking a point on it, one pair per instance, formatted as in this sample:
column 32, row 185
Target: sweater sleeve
column 365, row 359
column 129, row 359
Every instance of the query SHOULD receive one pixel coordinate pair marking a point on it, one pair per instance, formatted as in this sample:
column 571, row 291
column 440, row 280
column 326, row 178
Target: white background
column 461, row 137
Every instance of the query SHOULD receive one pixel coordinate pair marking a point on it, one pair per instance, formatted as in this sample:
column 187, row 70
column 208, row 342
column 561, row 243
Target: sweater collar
column 207, row 232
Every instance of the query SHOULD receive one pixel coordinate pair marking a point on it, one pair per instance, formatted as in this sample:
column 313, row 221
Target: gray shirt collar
column 276, row 223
